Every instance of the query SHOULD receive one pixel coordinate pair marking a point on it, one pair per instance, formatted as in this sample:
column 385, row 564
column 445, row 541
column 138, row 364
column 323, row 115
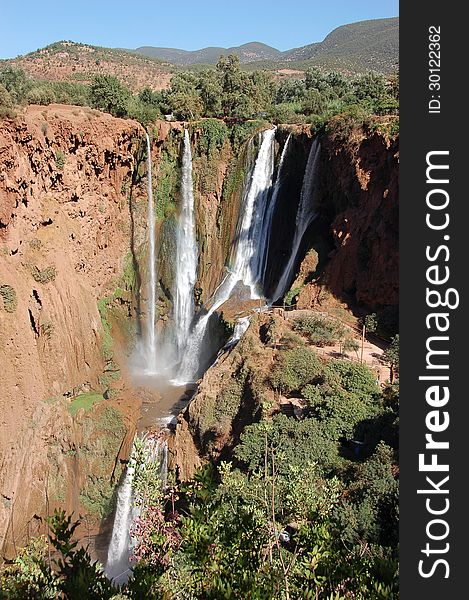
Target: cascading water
column 118, row 564
column 246, row 267
column 150, row 350
column 186, row 254
column 262, row 255
column 304, row 217
column 118, row 557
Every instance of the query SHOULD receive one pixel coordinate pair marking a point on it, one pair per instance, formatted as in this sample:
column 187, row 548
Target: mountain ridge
column 362, row 42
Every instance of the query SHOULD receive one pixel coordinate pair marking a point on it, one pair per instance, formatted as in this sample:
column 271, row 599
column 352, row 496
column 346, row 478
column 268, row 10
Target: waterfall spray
column 186, row 253
column 304, row 217
column 151, row 321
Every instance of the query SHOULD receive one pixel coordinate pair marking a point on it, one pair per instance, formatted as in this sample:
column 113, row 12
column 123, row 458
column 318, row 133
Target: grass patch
column 85, row 401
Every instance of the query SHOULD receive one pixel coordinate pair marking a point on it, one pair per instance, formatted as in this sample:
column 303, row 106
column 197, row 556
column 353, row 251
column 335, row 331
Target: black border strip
column 422, row 132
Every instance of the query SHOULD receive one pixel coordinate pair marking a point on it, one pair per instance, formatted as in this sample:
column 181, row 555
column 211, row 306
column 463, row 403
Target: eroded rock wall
column 64, row 233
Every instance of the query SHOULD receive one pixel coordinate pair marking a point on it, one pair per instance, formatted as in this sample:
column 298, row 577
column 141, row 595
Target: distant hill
column 352, row 48
column 355, row 47
column 71, row 61
column 253, row 51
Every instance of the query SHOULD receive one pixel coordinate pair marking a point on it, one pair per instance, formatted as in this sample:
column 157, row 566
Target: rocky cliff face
column 358, row 203
column 64, row 232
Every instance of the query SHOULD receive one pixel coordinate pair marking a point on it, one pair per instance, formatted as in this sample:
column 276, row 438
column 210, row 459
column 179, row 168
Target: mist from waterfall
column 246, row 267
column 186, row 254
column 304, row 217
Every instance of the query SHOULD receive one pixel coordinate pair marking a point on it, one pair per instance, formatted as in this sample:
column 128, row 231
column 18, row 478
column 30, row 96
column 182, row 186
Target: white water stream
column 186, row 254
column 304, row 217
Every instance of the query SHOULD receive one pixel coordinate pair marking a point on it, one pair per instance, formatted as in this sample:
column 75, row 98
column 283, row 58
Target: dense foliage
column 307, row 508
column 226, row 92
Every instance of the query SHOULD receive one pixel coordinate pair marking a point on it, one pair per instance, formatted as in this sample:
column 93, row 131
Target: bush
column 295, row 369
column 41, row 95
column 10, row 300
column 319, row 330
column 354, row 377
column 5, row 98
column 297, row 442
column 45, row 276
column 60, row 160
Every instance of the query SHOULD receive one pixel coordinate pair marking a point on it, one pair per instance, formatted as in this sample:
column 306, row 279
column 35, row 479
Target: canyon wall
column 64, row 232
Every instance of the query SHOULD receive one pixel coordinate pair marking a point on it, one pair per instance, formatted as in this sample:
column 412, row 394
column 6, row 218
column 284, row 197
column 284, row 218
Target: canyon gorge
column 139, row 269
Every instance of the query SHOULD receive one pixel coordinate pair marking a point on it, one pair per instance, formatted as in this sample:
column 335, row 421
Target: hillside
column 71, row 61
column 250, row 52
column 355, row 47
column 363, row 45
column 352, row 48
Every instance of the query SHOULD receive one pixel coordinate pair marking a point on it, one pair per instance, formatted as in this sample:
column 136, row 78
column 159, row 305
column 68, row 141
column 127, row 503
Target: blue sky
column 26, row 25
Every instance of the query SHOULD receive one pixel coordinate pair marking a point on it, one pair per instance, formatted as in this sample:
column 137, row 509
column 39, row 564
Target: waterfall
column 118, row 564
column 151, row 322
column 304, row 217
column 118, row 557
column 186, row 253
column 250, row 237
column 269, row 213
column 240, row 329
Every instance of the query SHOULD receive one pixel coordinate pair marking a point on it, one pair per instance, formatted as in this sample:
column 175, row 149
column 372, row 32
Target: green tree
column 290, row 90
column 236, row 86
column 370, row 87
column 210, row 91
column 391, row 355
column 110, row 95
column 5, row 98
column 16, row 82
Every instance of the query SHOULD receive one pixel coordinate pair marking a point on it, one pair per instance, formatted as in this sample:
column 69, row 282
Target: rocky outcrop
column 65, row 182
column 230, row 396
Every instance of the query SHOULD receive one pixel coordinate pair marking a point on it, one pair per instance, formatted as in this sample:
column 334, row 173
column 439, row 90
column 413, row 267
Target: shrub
column 41, row 95
column 10, row 300
column 319, row 330
column 298, row 443
column 45, row 275
column 295, row 368
column 5, row 98
column 60, row 160
column 354, row 377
